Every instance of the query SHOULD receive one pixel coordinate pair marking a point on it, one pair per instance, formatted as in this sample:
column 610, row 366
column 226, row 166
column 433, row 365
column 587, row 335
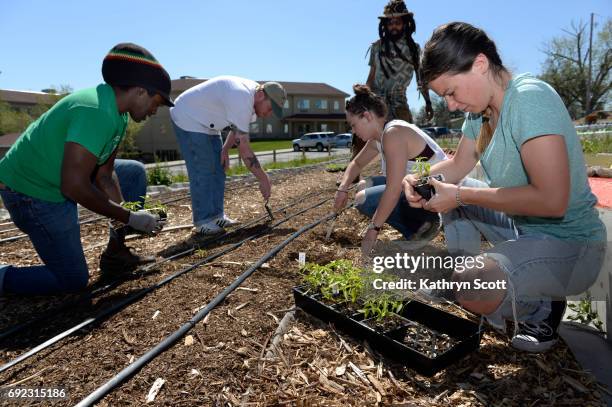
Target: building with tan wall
column 309, row 107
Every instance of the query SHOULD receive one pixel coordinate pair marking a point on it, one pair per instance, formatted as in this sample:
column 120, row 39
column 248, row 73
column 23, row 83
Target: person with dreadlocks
column 394, row 59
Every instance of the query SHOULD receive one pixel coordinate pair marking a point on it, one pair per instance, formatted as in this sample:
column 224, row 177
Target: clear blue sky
column 60, row 42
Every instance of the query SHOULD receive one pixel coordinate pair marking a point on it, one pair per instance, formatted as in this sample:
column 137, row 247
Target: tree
column 127, row 148
column 11, row 120
column 442, row 116
column 567, row 68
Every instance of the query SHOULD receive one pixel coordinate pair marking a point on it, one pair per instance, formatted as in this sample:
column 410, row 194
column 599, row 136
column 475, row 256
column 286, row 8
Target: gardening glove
column 144, row 221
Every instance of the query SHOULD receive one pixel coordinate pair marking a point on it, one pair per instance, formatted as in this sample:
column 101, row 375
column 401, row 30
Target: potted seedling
column 422, row 187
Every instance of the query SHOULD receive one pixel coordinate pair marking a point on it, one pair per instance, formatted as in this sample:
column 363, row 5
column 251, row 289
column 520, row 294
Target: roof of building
column 26, row 97
column 7, row 140
column 292, row 88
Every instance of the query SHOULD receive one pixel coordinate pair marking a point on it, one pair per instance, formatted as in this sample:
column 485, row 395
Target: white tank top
column 438, row 155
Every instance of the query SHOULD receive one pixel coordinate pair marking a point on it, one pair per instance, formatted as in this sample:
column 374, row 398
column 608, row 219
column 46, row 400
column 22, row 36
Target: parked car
column 332, row 139
column 437, row 131
column 319, row 140
column 344, row 140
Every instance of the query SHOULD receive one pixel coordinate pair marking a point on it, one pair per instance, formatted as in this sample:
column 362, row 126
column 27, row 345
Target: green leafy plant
column 381, row 306
column 159, row 175
column 585, row 314
column 421, row 167
column 337, row 281
column 314, row 275
column 335, row 167
column 155, row 207
column 180, row 177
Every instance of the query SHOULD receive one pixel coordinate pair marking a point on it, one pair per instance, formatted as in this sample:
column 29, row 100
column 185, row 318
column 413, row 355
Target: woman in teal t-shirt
column 535, row 206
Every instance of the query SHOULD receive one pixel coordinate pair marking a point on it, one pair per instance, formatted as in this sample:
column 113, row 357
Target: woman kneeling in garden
column 399, row 143
column 536, row 206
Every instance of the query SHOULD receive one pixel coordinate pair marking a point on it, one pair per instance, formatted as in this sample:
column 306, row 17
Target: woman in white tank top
column 399, row 143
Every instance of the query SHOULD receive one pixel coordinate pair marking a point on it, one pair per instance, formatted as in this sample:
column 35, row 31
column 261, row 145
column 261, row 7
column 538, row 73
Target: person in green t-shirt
column 535, row 206
column 66, row 157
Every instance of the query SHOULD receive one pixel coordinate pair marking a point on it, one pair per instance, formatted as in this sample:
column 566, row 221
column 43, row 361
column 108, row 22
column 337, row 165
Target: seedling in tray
column 410, row 332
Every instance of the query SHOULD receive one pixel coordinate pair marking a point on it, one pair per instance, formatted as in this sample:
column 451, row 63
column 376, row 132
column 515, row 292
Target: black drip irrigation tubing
column 140, row 294
column 134, row 367
column 45, row 316
column 96, row 217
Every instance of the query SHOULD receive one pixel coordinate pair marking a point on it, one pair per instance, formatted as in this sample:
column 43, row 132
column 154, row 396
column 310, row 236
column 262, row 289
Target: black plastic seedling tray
column 464, row 334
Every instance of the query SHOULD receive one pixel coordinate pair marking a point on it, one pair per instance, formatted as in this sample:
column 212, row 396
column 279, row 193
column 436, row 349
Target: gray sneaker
column 209, row 229
column 225, row 221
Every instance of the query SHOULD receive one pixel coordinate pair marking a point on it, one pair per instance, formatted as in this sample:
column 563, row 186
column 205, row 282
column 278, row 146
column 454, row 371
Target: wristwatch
column 371, row 226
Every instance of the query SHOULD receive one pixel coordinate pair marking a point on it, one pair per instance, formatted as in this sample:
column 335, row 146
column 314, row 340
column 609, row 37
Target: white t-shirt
column 211, row 106
column 438, row 156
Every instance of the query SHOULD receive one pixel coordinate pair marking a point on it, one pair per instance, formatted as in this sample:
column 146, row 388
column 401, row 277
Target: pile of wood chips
column 316, row 366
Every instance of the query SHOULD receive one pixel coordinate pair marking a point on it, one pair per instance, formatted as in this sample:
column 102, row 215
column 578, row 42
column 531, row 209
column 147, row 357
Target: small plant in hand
column 422, row 187
column 154, row 207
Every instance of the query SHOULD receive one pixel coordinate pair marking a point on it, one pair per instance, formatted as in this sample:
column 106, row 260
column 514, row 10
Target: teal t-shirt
column 532, row 108
column 89, row 117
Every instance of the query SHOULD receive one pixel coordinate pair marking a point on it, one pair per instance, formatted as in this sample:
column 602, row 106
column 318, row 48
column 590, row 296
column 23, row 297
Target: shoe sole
column 533, row 347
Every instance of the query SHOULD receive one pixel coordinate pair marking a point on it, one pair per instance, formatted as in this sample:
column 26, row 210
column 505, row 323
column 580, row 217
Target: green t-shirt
column 88, row 117
column 532, row 108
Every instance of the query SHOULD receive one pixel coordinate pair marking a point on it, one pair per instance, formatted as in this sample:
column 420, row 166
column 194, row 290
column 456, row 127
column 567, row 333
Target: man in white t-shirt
column 198, row 116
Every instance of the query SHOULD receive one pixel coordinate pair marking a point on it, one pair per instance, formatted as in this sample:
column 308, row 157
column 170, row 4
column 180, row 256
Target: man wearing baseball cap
column 67, row 157
column 199, row 115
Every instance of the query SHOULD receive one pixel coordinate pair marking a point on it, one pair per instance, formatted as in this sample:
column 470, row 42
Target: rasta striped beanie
column 128, row 64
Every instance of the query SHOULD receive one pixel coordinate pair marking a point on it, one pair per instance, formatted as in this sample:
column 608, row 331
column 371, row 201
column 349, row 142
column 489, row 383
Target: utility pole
column 588, row 87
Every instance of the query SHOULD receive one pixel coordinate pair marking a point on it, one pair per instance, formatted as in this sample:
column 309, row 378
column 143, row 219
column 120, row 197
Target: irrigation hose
column 134, row 367
column 140, row 294
column 145, row 270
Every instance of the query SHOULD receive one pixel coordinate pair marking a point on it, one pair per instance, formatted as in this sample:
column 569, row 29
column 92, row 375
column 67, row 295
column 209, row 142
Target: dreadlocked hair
column 366, row 100
column 385, row 38
column 415, row 51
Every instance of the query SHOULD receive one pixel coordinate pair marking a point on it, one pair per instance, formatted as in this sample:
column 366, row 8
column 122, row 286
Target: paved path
column 265, row 157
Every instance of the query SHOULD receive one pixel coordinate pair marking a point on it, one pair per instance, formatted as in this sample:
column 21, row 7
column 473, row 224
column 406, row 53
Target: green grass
column 258, row 146
column 601, row 160
column 596, row 144
column 299, row 162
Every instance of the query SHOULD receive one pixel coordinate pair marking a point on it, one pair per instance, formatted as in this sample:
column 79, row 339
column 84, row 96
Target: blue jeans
column 53, row 228
column 202, row 155
column 539, row 268
column 403, row 218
